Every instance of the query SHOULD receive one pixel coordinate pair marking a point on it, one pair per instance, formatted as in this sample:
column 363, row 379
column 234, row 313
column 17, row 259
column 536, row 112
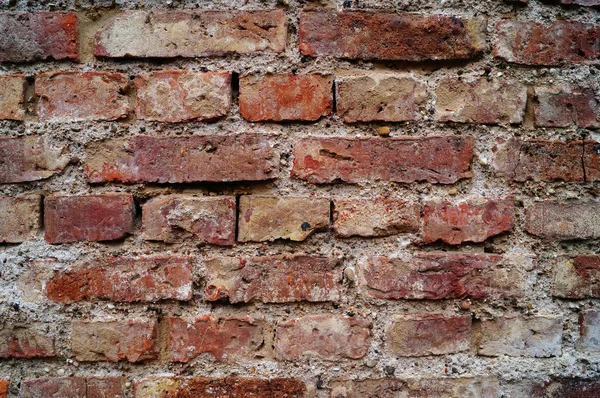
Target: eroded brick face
column 564, row 220
column 577, row 277
column 20, row 218
column 75, row 387
column 12, row 96
column 25, row 341
column 30, row 159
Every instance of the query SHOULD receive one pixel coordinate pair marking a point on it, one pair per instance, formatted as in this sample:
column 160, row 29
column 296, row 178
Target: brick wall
column 289, row 198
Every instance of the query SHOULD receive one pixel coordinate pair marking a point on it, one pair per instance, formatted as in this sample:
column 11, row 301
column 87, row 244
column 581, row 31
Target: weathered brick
column 20, row 218
column 72, row 96
column 577, row 277
column 229, row 387
column 273, row 279
column 125, row 279
column 442, row 160
column 88, row 218
column 182, row 96
column 561, row 387
column 467, row 221
column 175, row 218
column 286, row 97
column 240, row 157
column 379, row 97
column 390, row 36
column 324, row 336
column 428, row 334
column 436, row 276
column 74, row 387
column 589, row 331
column 566, row 105
column 25, row 341
column 542, row 160
column 30, row 158
column 269, row 218
column 166, row 34
column 12, row 96
column 559, row 42
column 38, row 36
column 374, row 217
column 3, row 388
column 564, row 220
column 226, row 339
column 535, row 336
column 133, row 340
column 478, row 100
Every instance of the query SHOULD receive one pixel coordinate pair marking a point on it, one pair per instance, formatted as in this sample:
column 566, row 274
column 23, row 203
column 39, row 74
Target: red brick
column 437, row 276
column 176, row 218
column 125, row 279
column 564, row 220
column 379, row 97
column 25, row 341
column 467, row 221
column 478, row 100
column 72, row 96
column 273, row 279
column 74, row 387
column 286, row 97
column 240, row 157
column 133, row 340
column 442, row 160
column 374, row 217
column 559, row 42
column 20, row 218
column 566, row 105
column 324, row 336
column 270, row 218
column 30, row 158
column 229, row 387
column 577, row 277
column 536, row 336
column 542, row 160
column 428, row 334
column 181, row 96
column 589, row 331
column 226, row 339
column 88, row 218
column 12, row 96
column 165, row 34
column 3, row 388
column 562, row 387
column 390, row 36
column 38, row 36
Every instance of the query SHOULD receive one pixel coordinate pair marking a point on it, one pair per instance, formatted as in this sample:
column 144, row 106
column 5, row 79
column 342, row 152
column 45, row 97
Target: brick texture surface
column 12, row 96
column 20, row 218
column 30, row 159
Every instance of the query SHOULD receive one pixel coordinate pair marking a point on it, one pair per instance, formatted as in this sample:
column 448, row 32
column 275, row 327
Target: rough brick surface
column 81, row 96
column 3, row 388
column 577, row 277
column 374, row 217
column 467, row 221
column 126, row 279
column 428, row 334
column 322, row 336
column 286, row 97
column 133, row 340
column 191, row 34
column 553, row 43
column 240, row 157
column 88, row 218
column 436, row 276
column 180, row 96
column 566, row 105
column 589, row 331
column 379, row 97
column 177, row 218
column 536, row 336
column 270, row 218
column 74, row 387
column 542, row 160
column 37, row 36
column 562, row 387
column 273, row 279
column 12, row 96
column 30, row 158
column 564, row 220
column 20, row 218
column 390, row 36
column 25, row 341
column 442, row 160
column 226, row 339
column 480, row 101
